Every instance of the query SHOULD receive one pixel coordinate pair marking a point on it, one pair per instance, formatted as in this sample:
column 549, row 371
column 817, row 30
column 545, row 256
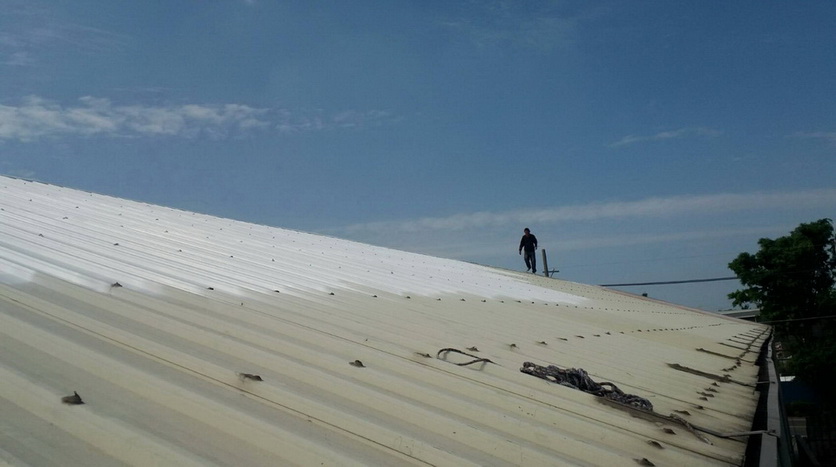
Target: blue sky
column 640, row 141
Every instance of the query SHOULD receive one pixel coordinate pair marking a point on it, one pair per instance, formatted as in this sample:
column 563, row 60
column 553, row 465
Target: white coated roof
column 152, row 315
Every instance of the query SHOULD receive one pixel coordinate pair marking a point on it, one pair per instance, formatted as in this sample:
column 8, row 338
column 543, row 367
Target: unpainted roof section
column 196, row 340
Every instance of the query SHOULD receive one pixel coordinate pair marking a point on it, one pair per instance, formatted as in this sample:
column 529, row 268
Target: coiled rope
column 577, row 378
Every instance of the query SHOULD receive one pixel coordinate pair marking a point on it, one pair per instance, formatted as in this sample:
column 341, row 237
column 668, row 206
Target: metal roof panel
column 161, row 319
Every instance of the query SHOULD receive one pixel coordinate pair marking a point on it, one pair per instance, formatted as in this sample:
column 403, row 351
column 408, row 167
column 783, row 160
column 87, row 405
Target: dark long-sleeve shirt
column 528, row 242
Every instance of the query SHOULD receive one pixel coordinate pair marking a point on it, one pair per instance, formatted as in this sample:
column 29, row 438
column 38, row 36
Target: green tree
column 791, row 279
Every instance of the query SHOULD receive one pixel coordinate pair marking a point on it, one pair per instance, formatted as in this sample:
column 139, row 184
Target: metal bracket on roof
column 722, row 379
column 710, row 352
column 656, row 417
column 749, row 433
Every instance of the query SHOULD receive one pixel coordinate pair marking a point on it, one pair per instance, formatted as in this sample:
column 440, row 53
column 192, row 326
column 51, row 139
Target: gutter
column 770, row 445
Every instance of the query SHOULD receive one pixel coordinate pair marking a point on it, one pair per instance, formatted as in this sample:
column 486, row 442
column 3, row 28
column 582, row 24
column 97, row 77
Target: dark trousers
column 530, row 260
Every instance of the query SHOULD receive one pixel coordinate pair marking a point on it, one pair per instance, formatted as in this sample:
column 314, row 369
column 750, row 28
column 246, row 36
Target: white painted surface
column 203, row 299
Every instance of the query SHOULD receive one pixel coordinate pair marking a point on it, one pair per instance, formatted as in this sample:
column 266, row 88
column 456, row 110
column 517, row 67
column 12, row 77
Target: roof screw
column 249, row 376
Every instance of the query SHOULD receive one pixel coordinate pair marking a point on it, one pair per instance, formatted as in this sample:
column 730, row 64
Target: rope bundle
column 577, row 378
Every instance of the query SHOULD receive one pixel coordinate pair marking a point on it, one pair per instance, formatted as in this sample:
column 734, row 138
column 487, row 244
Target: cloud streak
column 711, row 223
column 531, row 26
column 642, row 209
column 622, row 240
column 317, row 120
column 33, row 29
column 830, row 136
column 487, row 247
column 37, row 118
column 689, row 132
column 18, row 59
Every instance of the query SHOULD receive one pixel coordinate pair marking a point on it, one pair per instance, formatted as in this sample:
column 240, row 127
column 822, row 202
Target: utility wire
column 713, row 279
column 798, row 319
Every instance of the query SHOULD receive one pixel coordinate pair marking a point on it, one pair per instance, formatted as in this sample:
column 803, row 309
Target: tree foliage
column 791, row 279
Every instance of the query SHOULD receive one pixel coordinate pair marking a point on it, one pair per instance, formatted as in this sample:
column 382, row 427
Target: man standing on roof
column 529, row 244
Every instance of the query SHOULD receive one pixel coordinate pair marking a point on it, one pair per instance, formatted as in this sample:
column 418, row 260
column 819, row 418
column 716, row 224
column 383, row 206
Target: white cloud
column 590, row 232
column 485, row 246
column 621, row 240
column 667, row 135
column 317, row 120
column 37, row 118
column 830, row 136
column 647, row 208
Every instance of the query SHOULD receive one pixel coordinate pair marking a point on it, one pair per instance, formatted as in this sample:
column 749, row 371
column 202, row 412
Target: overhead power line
column 792, row 320
column 713, row 279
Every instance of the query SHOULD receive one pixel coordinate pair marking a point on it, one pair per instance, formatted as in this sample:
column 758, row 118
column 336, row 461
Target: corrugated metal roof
column 161, row 320
column 751, row 314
